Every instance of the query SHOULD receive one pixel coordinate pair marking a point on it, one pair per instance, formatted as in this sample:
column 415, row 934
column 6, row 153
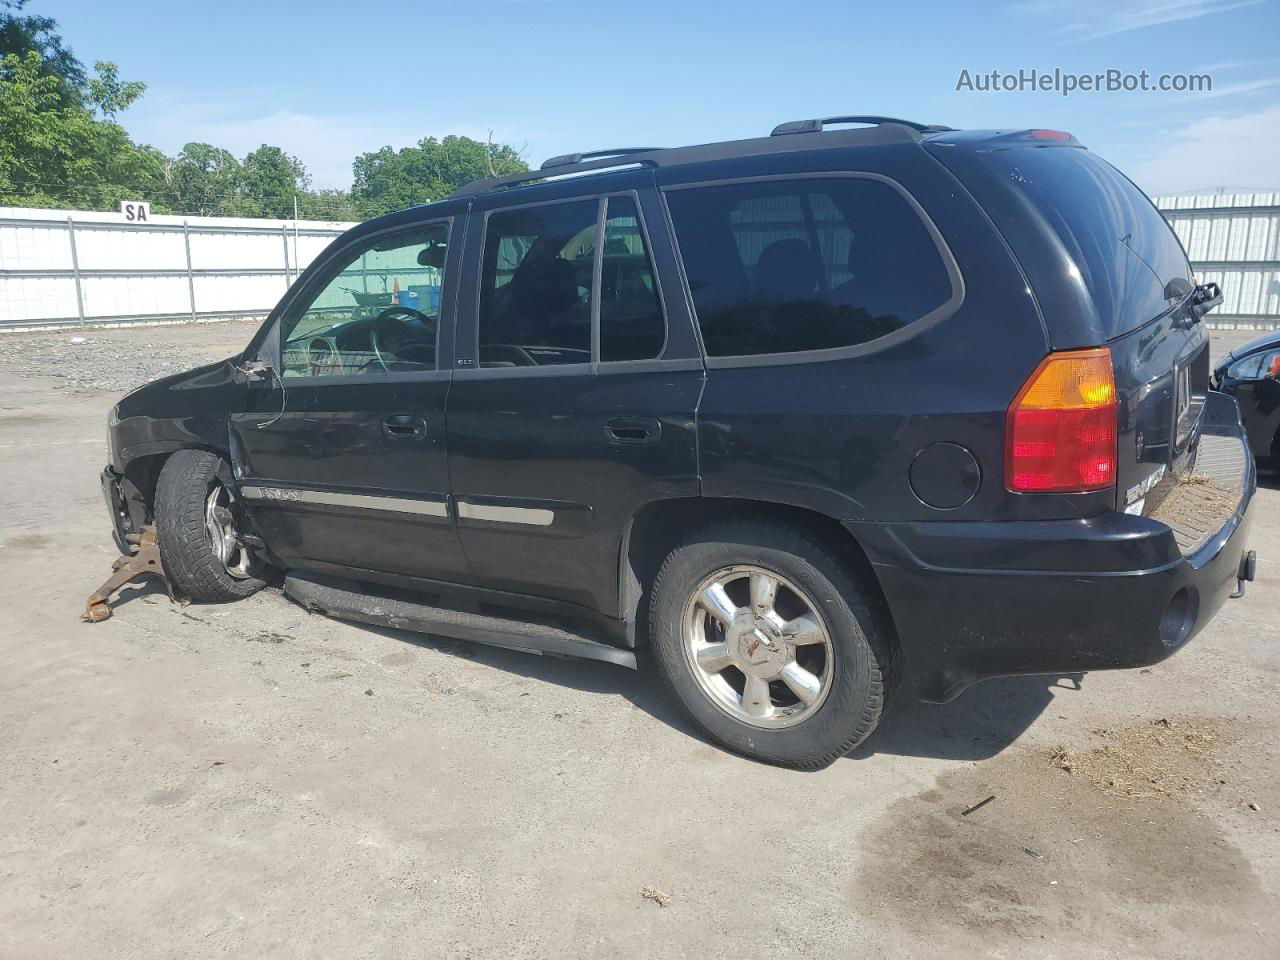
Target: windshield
column 1122, row 246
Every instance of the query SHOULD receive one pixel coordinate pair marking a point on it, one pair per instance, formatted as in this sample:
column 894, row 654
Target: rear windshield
column 1124, row 249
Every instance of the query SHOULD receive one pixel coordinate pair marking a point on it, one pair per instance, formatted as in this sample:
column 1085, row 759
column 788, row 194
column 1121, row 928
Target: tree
column 329, row 204
column 271, row 181
column 390, row 179
column 107, row 93
column 21, row 35
column 60, row 146
column 206, row 181
column 55, row 151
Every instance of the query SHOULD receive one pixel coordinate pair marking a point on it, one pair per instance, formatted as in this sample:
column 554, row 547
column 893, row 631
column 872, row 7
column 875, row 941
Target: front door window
column 379, row 314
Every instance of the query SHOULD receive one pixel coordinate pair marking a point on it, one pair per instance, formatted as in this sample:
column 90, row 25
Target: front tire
column 196, row 516
column 770, row 642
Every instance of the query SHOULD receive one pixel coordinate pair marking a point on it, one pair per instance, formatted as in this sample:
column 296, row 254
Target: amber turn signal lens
column 1060, row 432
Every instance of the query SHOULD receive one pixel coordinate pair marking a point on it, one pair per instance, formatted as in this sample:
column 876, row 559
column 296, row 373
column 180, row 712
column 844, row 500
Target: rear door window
column 540, row 294
column 535, row 286
column 784, row 266
column 1125, row 251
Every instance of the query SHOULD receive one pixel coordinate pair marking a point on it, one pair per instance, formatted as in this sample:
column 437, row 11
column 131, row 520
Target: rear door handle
column 404, row 426
column 633, row 429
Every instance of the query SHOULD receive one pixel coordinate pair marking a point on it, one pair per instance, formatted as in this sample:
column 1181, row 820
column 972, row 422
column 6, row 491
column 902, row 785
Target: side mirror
column 258, row 373
column 1207, row 296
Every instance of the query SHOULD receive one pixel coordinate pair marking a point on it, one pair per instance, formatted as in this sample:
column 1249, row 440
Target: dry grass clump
column 656, row 896
column 1160, row 759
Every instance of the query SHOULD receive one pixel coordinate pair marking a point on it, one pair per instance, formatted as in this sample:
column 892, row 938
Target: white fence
column 1233, row 239
column 69, row 267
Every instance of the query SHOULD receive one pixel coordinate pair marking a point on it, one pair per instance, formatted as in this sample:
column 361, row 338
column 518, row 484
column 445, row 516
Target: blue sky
column 326, row 80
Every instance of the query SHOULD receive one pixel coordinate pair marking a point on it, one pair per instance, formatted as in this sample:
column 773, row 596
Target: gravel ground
column 250, row 781
column 118, row 360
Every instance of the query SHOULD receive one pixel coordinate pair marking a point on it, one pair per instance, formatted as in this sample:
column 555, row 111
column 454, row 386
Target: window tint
column 1123, row 247
column 535, row 287
column 1250, row 368
column 631, row 322
column 790, row 265
column 378, row 315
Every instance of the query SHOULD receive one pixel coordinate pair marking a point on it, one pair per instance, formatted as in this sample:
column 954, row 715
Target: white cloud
column 1234, row 65
column 1235, row 151
column 1232, row 89
column 1078, row 20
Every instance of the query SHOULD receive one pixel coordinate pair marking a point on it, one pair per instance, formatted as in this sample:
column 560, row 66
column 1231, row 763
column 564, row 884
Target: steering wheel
column 381, row 320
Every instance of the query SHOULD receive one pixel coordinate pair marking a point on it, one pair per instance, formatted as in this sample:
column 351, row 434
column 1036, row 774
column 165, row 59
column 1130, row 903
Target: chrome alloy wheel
column 236, row 558
column 758, row 646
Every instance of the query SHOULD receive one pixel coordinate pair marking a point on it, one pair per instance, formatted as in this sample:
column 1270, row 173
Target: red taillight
column 1050, row 134
column 1060, row 433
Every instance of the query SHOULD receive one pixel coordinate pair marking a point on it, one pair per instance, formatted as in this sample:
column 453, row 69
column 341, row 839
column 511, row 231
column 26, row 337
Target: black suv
column 811, row 416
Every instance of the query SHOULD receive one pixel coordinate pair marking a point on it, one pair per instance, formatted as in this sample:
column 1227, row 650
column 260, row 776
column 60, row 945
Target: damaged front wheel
column 198, row 523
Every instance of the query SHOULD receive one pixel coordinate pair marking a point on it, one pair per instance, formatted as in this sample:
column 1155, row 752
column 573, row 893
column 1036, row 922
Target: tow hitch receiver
column 1248, row 564
column 145, row 560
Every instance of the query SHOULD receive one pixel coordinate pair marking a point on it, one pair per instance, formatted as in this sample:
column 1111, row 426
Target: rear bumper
column 977, row 600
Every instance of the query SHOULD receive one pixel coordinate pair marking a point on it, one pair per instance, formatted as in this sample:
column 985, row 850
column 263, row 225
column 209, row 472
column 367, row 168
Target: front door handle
column 404, row 426
column 633, row 429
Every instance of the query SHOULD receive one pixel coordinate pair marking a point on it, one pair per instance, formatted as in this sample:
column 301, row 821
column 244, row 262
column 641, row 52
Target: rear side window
column 783, row 266
column 1124, row 249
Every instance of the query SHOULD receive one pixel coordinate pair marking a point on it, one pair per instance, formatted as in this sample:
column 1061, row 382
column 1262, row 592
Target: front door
column 342, row 463
column 574, row 393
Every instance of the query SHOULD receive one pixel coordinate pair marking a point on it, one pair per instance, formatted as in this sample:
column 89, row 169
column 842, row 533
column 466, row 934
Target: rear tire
column 797, row 673
column 187, row 548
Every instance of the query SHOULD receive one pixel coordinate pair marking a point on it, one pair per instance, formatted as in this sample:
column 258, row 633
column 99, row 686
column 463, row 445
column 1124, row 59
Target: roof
column 796, row 136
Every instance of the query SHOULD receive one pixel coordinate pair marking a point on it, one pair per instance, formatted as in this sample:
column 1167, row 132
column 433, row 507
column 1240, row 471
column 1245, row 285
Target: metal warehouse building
column 1233, row 239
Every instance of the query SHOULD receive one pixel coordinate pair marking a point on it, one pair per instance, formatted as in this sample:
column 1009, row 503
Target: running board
column 342, row 600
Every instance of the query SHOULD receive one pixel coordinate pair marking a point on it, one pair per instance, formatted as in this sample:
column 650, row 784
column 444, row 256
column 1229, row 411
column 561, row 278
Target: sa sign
column 136, row 211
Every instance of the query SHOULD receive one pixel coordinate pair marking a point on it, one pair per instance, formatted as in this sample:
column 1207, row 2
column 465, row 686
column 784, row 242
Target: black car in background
column 814, row 417
column 1251, row 374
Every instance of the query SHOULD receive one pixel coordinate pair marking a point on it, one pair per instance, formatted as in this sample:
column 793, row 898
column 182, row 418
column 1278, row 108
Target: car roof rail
column 569, row 159
column 561, row 166
column 816, row 126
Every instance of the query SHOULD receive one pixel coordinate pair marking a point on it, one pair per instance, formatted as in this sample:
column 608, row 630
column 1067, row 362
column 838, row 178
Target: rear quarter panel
column 839, row 435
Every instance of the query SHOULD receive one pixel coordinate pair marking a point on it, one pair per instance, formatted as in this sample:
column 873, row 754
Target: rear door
column 577, row 380
column 342, row 463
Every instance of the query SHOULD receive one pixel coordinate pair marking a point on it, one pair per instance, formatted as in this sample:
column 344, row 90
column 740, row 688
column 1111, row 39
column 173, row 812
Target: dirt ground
column 251, row 781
